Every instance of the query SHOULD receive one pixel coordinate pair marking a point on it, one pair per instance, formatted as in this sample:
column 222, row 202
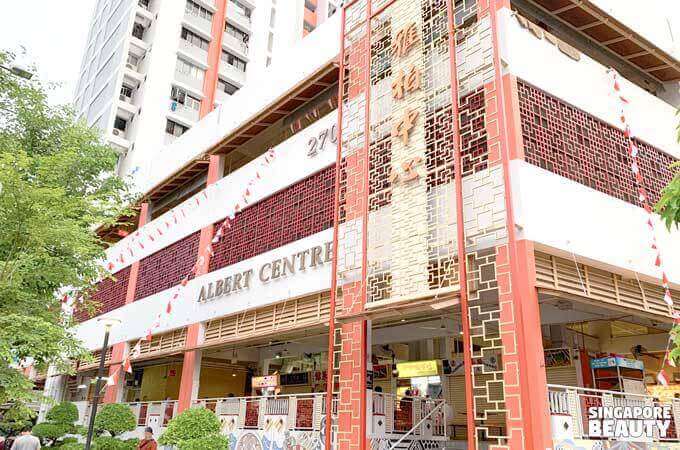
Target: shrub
column 49, row 432
column 76, row 446
column 191, row 425
column 112, row 443
column 63, row 413
column 60, row 419
column 115, row 419
column 213, row 442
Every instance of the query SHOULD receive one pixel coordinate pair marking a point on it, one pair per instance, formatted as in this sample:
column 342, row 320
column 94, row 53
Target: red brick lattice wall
column 166, row 268
column 569, row 142
column 109, row 294
column 296, row 212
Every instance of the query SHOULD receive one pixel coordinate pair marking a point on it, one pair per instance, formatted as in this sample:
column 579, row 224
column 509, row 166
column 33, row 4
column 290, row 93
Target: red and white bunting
column 633, row 152
column 200, row 261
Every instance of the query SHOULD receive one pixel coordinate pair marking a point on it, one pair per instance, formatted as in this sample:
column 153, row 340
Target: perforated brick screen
column 109, row 294
column 296, row 212
column 166, row 268
column 569, row 142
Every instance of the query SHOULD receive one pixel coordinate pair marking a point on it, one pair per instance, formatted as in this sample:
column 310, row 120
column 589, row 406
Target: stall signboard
column 266, row 381
column 380, row 372
column 616, row 361
column 295, row 379
column 413, row 369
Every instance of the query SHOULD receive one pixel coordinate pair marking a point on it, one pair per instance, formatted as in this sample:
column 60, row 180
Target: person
column 2, row 442
column 148, row 443
column 26, row 441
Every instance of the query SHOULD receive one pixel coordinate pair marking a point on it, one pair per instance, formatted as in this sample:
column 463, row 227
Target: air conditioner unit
column 116, row 132
column 130, row 66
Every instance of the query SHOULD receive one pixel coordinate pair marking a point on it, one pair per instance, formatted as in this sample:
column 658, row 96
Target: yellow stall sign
column 413, row 369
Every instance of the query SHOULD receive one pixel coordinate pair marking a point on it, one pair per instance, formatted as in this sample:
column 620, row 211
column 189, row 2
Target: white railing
column 198, row 22
column 184, row 111
column 195, row 52
column 301, row 411
column 237, row 16
column 195, row 83
column 575, row 401
column 232, row 72
column 406, row 414
column 235, row 43
column 154, row 413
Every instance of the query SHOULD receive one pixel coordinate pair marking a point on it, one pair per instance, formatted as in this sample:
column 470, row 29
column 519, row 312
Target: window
column 182, row 97
column 331, row 9
column 310, row 6
column 143, row 3
column 133, row 60
column 270, row 42
column 138, row 31
column 175, row 128
column 125, row 92
column 120, row 124
column 195, row 40
column 234, row 61
column 189, row 69
column 197, row 10
column 269, row 61
column 226, row 86
column 241, row 8
column 307, row 26
column 238, row 34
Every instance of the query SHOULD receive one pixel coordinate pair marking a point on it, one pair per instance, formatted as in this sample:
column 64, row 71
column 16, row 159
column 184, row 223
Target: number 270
column 316, row 144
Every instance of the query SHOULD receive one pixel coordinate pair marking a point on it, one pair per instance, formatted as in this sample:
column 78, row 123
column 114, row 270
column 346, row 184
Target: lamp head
column 108, row 322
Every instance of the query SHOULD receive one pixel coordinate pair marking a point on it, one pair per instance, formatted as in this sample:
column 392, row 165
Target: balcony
column 235, row 44
column 120, row 138
column 232, row 73
column 194, row 83
column 196, row 53
column 568, row 407
column 198, row 23
column 235, row 16
column 184, row 111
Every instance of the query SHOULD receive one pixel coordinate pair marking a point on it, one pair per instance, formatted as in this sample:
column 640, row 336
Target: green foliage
column 213, row 442
column 56, row 182
column 60, row 421
column 112, row 443
column 15, row 418
column 668, row 205
column 115, row 418
column 50, row 432
column 63, row 413
column 191, row 425
column 76, row 446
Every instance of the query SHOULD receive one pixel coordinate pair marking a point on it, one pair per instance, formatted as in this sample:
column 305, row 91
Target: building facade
column 295, row 265
column 153, row 68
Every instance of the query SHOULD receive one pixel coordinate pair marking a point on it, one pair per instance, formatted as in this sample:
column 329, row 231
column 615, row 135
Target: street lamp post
column 17, row 70
column 108, row 324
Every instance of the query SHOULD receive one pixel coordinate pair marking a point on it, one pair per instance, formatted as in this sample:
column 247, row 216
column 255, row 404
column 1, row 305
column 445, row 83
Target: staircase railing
column 417, row 425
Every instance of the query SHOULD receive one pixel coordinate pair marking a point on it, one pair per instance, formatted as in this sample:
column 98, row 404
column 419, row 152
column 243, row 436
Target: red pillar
column 191, row 363
column 119, row 349
column 214, row 53
column 525, row 384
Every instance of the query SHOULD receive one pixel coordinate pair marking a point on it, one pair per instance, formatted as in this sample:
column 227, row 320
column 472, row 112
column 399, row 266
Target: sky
column 54, row 34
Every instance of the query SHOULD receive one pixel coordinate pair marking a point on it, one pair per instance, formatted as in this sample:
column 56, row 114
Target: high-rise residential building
column 427, row 226
column 153, row 68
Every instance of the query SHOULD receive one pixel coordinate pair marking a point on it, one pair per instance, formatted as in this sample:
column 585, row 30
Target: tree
column 56, row 182
column 16, row 418
column 115, row 418
column 60, row 421
column 668, row 205
column 193, row 429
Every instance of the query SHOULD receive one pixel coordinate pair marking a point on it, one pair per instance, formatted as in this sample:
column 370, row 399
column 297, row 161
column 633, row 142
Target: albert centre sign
column 308, row 259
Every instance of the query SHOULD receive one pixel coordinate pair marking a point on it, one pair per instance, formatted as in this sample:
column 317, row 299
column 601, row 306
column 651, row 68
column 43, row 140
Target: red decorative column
column 523, row 366
column 113, row 393
column 348, row 343
column 214, row 54
column 191, row 366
